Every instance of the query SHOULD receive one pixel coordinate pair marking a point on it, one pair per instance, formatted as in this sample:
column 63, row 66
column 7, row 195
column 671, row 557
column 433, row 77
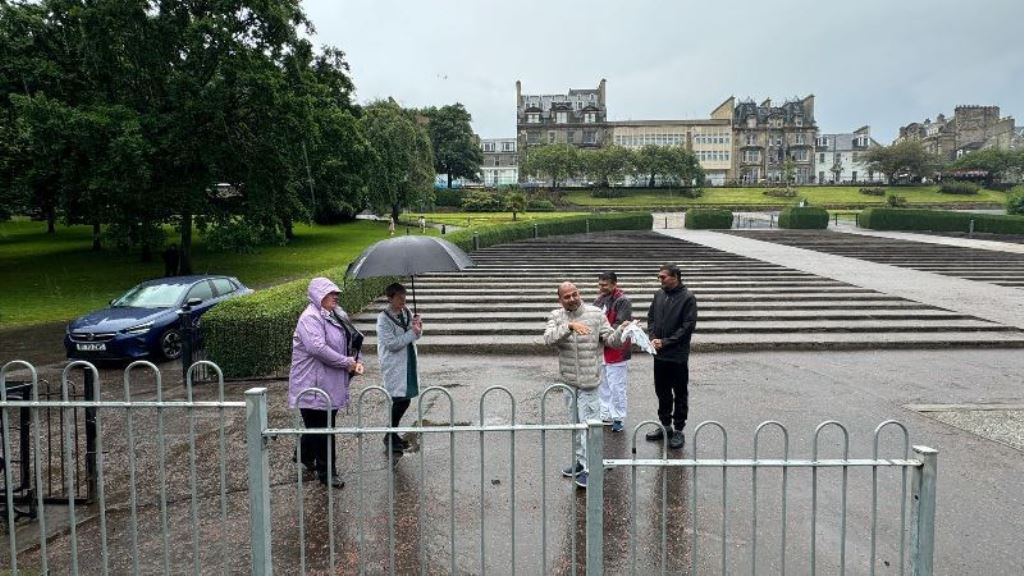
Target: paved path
column 982, row 300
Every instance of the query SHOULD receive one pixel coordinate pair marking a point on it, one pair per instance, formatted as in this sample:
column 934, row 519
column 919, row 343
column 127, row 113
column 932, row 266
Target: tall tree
column 456, row 152
column 904, row 159
column 607, row 166
column 555, row 162
column 652, row 161
column 999, row 164
column 683, row 167
column 403, row 162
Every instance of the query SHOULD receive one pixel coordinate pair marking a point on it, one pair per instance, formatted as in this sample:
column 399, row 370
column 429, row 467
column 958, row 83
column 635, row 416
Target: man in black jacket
column 671, row 320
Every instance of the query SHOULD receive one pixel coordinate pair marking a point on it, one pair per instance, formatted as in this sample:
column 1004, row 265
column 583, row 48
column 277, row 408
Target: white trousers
column 613, row 390
column 588, row 407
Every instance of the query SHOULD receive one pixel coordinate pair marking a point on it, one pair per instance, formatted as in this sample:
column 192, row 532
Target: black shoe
column 310, row 467
column 401, row 442
column 677, row 440
column 656, row 435
column 396, row 443
column 336, row 481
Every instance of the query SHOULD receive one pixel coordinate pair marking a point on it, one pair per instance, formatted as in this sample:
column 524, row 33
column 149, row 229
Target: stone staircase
column 1001, row 268
column 501, row 305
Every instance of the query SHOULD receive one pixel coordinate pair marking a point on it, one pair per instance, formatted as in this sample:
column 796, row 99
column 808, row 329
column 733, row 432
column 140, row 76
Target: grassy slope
column 55, row 278
column 470, row 219
column 820, row 196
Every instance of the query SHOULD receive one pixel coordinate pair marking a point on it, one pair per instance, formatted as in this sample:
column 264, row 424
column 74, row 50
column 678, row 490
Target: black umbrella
column 408, row 256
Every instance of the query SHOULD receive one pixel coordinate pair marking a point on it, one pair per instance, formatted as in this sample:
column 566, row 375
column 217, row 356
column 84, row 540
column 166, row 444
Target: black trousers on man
column 671, row 380
column 315, row 446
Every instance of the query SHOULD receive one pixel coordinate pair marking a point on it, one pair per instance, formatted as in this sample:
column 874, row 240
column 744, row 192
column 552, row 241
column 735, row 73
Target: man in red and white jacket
column 615, row 370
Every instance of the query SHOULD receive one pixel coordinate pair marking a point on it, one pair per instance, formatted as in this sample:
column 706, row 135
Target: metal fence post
column 595, row 498
column 89, row 387
column 536, row 234
column 185, row 327
column 588, row 225
column 259, row 481
column 476, row 241
column 970, row 231
column 922, row 513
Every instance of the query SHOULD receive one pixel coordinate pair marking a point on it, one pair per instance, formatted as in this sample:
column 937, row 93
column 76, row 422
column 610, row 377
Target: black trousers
column 671, row 380
column 398, row 408
column 315, row 446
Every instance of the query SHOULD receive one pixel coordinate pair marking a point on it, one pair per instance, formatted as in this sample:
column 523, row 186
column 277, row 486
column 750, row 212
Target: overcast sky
column 879, row 62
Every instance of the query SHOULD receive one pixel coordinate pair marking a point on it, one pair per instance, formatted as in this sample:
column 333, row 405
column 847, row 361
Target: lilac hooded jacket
column 319, row 353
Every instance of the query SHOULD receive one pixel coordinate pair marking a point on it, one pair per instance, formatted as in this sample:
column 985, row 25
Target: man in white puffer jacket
column 580, row 331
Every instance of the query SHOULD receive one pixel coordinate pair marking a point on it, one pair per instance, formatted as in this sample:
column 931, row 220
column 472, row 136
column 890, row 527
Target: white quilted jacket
column 579, row 357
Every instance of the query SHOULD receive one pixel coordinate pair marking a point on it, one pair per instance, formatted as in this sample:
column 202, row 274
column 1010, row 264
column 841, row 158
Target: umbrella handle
column 413, row 277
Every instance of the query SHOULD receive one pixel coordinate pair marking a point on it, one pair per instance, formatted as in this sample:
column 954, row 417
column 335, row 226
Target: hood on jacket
column 320, row 287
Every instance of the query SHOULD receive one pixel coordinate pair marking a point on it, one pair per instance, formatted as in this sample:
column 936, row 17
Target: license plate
column 91, row 347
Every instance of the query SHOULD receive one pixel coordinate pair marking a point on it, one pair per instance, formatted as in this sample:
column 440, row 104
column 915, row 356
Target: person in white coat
column 398, row 329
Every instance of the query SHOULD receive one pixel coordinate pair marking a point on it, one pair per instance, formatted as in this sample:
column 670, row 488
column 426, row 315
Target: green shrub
column 780, row 193
column 895, row 201
column 608, row 193
column 804, row 218
column 252, row 335
column 480, row 201
column 873, row 191
column 540, row 205
column 959, row 187
column 450, row 197
column 708, row 219
column 939, row 221
column 1015, row 200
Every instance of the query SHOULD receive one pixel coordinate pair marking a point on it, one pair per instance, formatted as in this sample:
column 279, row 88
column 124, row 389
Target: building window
column 562, row 117
column 551, row 137
column 590, row 117
column 821, row 158
column 799, row 139
column 588, row 137
column 533, row 118
column 752, row 122
column 570, row 136
column 751, row 156
column 800, row 155
column 508, row 147
column 488, row 146
column 751, row 139
column 798, row 121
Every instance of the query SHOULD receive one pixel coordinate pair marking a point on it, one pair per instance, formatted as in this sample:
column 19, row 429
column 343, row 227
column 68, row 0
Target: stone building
column 971, row 128
column 579, row 117
column 765, row 136
column 839, row 158
column 501, row 161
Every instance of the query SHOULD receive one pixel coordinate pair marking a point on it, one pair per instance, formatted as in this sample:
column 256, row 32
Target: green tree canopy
column 554, row 162
column 607, row 166
column 1000, row 164
column 403, row 166
column 907, row 159
column 456, row 152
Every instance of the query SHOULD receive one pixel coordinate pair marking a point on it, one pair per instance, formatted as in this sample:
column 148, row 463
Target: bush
column 608, row 193
column 1015, row 201
column 450, row 197
column 780, row 193
column 939, row 221
column 873, row 191
column 895, row 201
column 804, row 218
column 480, row 201
column 540, row 205
column 708, row 219
column 252, row 335
column 959, row 187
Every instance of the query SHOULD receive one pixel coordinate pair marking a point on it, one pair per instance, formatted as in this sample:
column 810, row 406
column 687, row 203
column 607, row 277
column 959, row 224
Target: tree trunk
column 396, row 210
column 449, row 180
column 96, row 244
column 51, row 220
column 289, row 228
column 185, row 246
column 650, row 183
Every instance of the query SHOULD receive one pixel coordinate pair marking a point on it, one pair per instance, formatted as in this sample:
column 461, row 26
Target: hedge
column 252, row 335
column 707, row 219
column 938, row 221
column 1015, row 200
column 959, row 187
column 804, row 218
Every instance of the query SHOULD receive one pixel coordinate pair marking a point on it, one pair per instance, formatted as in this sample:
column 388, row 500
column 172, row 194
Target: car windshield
column 152, row 296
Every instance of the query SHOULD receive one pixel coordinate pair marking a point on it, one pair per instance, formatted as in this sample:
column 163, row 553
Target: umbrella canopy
column 408, row 256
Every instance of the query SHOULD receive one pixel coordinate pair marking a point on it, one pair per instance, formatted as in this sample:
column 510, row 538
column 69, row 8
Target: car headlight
column 140, row 329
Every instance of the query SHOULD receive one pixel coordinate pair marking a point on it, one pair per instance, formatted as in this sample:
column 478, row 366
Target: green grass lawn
column 471, row 219
column 818, row 196
column 46, row 278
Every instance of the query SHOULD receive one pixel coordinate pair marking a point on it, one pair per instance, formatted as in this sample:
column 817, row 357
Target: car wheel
column 170, row 345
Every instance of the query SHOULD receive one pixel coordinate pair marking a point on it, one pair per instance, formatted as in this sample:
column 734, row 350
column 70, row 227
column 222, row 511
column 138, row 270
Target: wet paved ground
column 980, row 508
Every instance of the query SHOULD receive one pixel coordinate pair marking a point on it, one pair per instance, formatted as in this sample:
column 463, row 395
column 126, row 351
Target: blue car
column 143, row 323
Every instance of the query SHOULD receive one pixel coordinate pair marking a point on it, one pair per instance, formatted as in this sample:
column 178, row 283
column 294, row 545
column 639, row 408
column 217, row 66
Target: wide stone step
column 893, row 304
column 742, row 288
column 732, row 327
column 737, row 342
column 541, row 315
column 643, row 301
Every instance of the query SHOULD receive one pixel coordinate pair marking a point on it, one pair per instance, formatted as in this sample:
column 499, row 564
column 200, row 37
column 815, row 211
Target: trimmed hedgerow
column 938, row 221
column 804, row 218
column 540, row 205
column 708, row 219
column 959, row 187
column 252, row 335
column 1015, row 201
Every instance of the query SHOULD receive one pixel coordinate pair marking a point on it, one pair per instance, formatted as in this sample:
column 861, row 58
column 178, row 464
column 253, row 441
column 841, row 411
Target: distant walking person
column 579, row 330
column 671, row 320
column 398, row 329
column 391, row 225
column 423, row 224
column 617, row 309
column 325, row 355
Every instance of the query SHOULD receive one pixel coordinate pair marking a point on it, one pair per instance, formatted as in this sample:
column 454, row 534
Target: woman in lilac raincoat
column 325, row 355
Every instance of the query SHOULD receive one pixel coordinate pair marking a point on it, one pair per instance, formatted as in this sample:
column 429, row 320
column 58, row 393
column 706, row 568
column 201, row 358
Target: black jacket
column 672, row 317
